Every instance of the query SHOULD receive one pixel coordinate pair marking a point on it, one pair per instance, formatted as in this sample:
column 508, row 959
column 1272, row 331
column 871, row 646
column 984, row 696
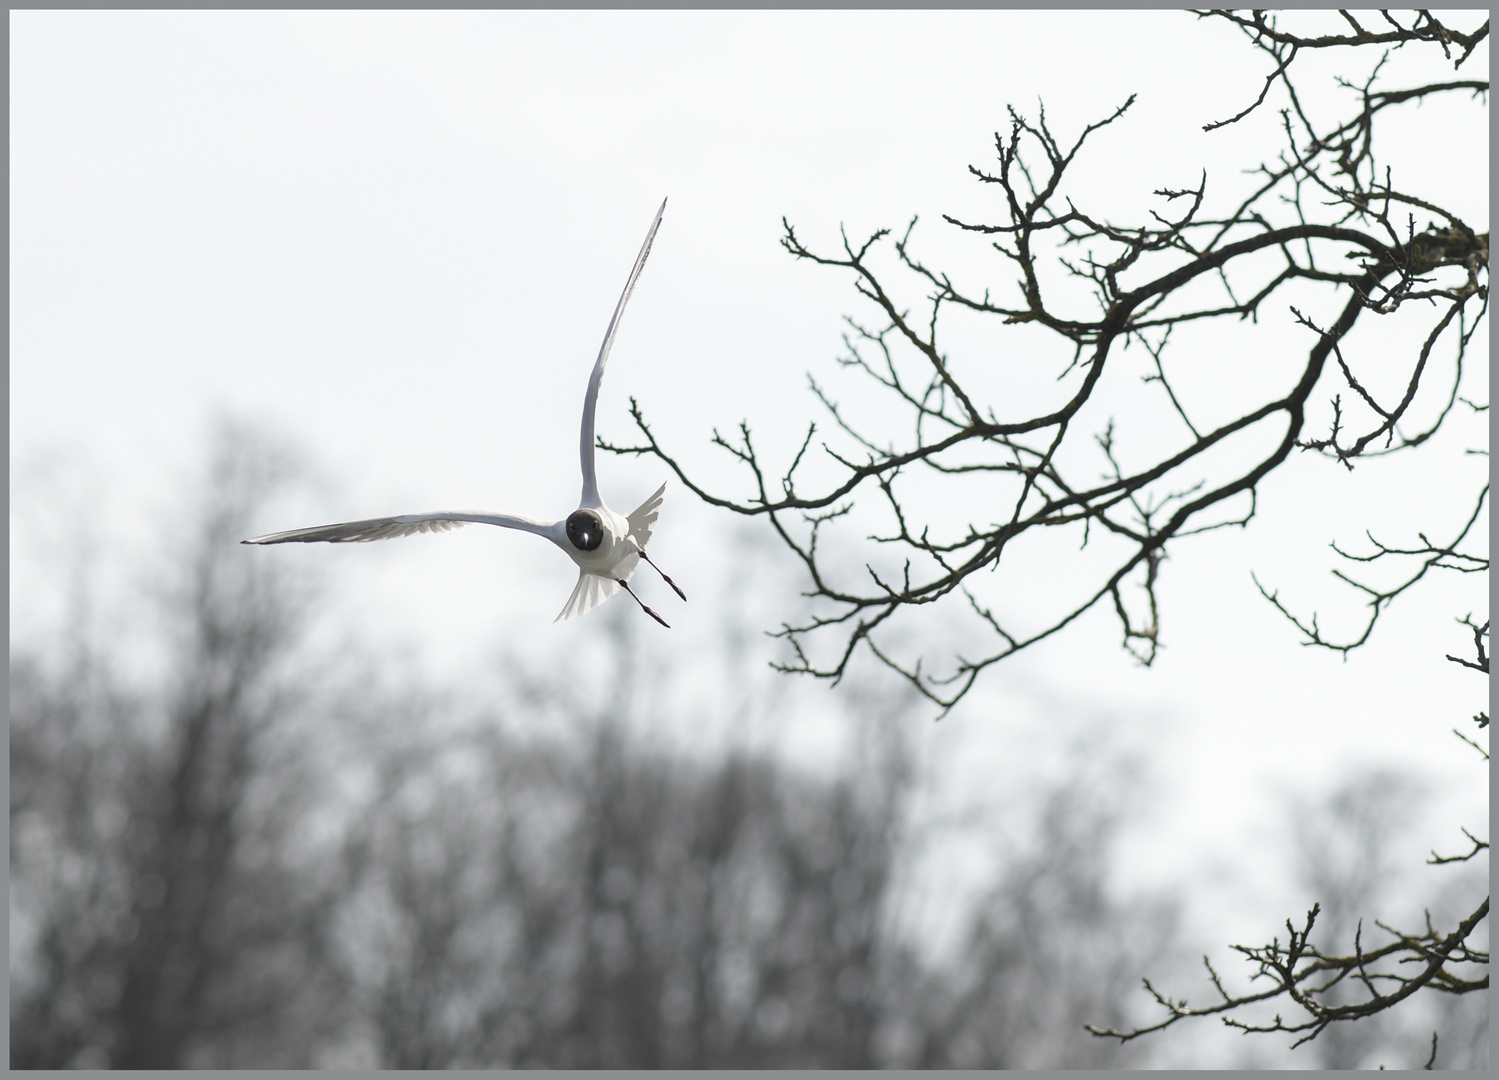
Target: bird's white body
column 606, row 546
column 616, row 557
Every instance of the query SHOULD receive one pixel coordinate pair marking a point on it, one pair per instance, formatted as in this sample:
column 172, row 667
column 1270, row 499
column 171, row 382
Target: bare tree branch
column 1323, row 228
column 1303, row 974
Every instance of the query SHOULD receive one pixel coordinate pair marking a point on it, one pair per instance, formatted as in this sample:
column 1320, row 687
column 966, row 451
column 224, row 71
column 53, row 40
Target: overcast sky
column 396, row 238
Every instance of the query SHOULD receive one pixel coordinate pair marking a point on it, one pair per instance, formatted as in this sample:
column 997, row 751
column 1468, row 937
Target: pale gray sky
column 398, row 238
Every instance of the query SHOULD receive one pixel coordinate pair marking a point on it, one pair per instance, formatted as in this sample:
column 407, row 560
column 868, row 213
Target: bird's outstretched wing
column 589, row 593
column 643, row 520
column 591, row 398
column 360, row 532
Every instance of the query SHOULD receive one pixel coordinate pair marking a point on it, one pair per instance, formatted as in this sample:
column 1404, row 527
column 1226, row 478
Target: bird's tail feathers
column 591, row 591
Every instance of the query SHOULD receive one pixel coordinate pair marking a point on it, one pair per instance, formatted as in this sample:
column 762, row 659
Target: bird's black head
column 585, row 529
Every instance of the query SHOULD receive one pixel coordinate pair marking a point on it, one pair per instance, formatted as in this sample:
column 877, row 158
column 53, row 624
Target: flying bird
column 606, row 546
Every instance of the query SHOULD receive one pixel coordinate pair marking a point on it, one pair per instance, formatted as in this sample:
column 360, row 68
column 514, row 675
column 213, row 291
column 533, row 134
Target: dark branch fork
column 1130, row 315
column 1302, row 973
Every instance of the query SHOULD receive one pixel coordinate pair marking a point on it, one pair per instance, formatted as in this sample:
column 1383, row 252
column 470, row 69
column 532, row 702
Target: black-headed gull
column 606, row 546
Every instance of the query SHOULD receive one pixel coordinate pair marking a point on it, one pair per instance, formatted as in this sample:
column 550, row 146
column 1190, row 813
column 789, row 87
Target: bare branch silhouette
column 1321, row 234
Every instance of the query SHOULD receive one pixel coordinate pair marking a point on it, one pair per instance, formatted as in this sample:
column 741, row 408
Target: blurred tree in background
column 265, row 859
column 159, row 863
